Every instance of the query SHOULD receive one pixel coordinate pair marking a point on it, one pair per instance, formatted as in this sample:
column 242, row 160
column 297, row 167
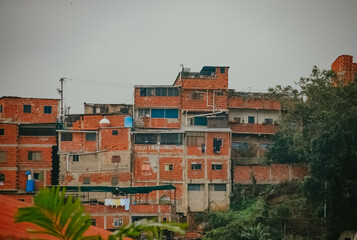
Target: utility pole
column 60, row 91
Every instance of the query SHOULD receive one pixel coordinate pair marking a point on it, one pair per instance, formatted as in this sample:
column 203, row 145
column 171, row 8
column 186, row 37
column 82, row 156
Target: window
column 237, row 119
column 196, row 166
column 146, row 138
column 169, row 167
column 217, row 144
column 223, row 70
column 199, row 121
column 145, row 92
column 93, row 222
column 115, row 181
column 268, row 121
column 161, row 92
column 0, row 108
column 195, row 139
column 172, row 92
column 144, row 112
column 171, row 139
column 220, row 187
column 86, row 180
column 75, row 158
column 171, row 113
column 2, row 131
column 34, row 155
column 47, row 109
column 240, row 145
column 115, row 132
column 219, row 93
column 66, row 137
column 145, row 167
column 2, row 177
column 115, row 159
column 90, row 136
column 196, row 96
column 251, row 119
column 264, row 146
column 27, row 108
column 38, row 176
column 157, row 113
column 216, row 166
column 194, row 187
column 2, row 156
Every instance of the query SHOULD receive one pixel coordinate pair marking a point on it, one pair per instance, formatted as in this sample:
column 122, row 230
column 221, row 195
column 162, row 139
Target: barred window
column 86, row 180
column 115, row 181
column 171, row 139
column 27, row 108
column 75, row 158
column 66, row 137
column 220, row 187
column 115, row 159
column 144, row 112
column 145, row 138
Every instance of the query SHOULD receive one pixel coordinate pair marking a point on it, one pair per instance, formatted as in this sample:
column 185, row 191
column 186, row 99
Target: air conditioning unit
column 117, row 222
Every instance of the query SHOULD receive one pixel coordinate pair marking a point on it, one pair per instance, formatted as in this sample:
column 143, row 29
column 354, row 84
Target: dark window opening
column 171, row 139
column 38, row 176
column 251, row 119
column 220, row 187
column 115, row 159
column 2, row 131
column 23, row 131
column 27, row 108
column 194, row 187
column 146, row 92
column 169, row 167
column 196, row 96
column 223, row 70
column 34, row 155
column 47, row 109
column 219, row 93
column 93, row 222
column 0, row 108
column 196, row 166
column 144, row 112
column 75, row 158
column 216, row 166
column 2, row 177
column 268, row 121
column 145, row 138
column 217, row 144
column 86, row 180
column 66, row 137
column 90, row 136
column 240, row 145
column 115, row 132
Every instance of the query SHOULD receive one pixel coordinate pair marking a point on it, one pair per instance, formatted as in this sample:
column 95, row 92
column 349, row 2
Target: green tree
column 320, row 128
column 258, row 232
column 57, row 216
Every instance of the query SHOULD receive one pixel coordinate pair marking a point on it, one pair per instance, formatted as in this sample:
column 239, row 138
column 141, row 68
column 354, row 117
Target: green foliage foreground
column 64, row 219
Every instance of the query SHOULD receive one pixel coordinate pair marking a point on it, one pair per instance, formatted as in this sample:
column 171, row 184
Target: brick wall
column 13, row 108
column 155, row 101
column 258, row 103
column 345, row 68
column 269, row 174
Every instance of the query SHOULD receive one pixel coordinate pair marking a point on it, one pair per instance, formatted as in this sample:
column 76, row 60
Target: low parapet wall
column 272, row 174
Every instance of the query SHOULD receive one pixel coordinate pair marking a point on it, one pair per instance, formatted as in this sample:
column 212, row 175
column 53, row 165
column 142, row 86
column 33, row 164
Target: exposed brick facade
column 345, row 68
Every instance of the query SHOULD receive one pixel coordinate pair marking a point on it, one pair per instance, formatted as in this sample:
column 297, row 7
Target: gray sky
column 265, row 43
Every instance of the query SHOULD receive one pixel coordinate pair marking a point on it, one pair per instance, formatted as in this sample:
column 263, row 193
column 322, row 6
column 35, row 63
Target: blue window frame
column 47, row 109
column 164, row 113
column 200, row 121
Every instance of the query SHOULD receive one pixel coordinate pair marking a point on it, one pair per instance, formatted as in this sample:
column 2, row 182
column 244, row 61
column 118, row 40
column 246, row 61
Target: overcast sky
column 265, row 43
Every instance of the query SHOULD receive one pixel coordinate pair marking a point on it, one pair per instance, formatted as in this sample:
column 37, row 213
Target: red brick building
column 345, row 68
column 27, row 143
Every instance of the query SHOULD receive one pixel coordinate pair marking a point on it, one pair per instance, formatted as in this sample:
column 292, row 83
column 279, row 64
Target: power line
column 76, row 80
